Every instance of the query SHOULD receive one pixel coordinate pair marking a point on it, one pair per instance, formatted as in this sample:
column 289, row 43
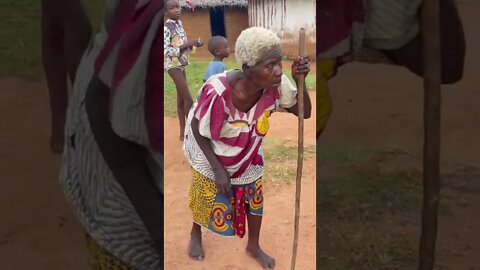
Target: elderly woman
column 223, row 139
column 112, row 164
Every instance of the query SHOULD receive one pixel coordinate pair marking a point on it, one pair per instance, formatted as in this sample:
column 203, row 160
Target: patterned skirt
column 100, row 259
column 326, row 69
column 224, row 215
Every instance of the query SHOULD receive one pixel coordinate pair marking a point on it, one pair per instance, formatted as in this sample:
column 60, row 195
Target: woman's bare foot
column 263, row 258
column 195, row 249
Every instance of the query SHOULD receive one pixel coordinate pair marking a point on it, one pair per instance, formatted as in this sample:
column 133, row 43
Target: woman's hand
column 301, row 65
column 222, row 181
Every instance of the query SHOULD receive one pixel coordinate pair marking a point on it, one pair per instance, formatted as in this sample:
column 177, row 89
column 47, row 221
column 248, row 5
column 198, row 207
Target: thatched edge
column 215, row 3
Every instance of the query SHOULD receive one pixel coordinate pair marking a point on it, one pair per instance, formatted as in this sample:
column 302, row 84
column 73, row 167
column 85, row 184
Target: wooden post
column 300, row 98
column 431, row 150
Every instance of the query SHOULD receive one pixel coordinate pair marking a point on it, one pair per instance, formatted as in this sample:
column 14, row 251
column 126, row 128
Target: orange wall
column 197, row 24
column 236, row 20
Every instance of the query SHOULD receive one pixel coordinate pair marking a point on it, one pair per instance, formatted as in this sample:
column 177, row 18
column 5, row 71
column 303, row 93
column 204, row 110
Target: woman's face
column 173, row 9
column 268, row 71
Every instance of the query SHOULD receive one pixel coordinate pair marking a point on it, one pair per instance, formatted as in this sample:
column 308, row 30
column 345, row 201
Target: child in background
column 177, row 50
column 218, row 47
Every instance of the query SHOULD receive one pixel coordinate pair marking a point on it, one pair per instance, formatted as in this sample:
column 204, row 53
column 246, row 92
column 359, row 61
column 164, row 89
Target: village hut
column 214, row 18
column 229, row 17
column 286, row 17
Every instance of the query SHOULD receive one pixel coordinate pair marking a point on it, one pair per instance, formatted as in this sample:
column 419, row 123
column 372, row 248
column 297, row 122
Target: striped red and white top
column 235, row 136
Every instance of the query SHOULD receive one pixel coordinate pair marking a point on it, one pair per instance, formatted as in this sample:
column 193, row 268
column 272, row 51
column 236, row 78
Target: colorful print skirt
column 224, row 215
column 100, row 259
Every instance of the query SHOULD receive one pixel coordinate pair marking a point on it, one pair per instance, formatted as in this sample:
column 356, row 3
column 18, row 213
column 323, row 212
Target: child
column 218, row 47
column 177, row 51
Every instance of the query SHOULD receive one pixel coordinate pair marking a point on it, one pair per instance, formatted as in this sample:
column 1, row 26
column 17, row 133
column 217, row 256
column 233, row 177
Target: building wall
column 197, row 24
column 286, row 17
column 236, row 20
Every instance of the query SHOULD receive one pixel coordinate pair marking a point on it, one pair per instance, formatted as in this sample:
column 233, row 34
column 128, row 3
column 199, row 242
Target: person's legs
column 253, row 246
column 66, row 32
column 188, row 102
column 195, row 249
column 55, row 72
column 184, row 100
column 181, row 115
column 254, row 209
column 77, row 34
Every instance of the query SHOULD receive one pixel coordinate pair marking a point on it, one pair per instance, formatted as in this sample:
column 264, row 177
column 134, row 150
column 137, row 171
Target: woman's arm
column 127, row 163
column 222, row 178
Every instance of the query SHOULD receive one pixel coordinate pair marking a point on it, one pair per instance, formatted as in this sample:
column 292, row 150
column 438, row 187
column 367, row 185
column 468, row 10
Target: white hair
column 251, row 41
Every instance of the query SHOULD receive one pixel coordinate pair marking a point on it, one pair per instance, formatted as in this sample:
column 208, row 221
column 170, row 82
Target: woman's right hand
column 222, row 181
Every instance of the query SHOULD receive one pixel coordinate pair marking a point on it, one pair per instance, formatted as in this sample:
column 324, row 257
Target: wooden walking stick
column 301, row 86
column 431, row 150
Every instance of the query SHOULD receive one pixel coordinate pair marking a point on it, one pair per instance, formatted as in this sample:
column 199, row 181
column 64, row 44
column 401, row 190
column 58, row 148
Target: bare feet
column 195, row 249
column 263, row 258
column 181, row 137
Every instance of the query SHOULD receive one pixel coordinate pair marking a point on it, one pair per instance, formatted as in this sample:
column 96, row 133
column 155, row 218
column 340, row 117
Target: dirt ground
column 39, row 231
column 37, row 226
column 277, row 229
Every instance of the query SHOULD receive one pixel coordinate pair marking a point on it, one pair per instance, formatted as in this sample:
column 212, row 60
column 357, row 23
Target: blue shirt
column 214, row 67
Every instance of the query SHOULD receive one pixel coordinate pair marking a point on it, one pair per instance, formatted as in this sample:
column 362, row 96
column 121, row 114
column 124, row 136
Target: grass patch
column 20, row 47
column 195, row 73
column 281, row 159
column 358, row 247
column 368, row 212
column 329, row 153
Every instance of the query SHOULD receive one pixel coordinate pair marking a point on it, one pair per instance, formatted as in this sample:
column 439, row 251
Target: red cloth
column 335, row 19
column 240, row 211
column 130, row 26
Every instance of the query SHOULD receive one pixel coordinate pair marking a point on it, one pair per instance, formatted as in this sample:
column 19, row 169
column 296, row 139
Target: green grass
column 281, row 159
column 369, row 204
column 195, row 72
column 20, row 47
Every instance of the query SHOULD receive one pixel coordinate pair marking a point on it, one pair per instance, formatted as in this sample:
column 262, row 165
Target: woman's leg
column 253, row 246
column 184, row 100
column 195, row 249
